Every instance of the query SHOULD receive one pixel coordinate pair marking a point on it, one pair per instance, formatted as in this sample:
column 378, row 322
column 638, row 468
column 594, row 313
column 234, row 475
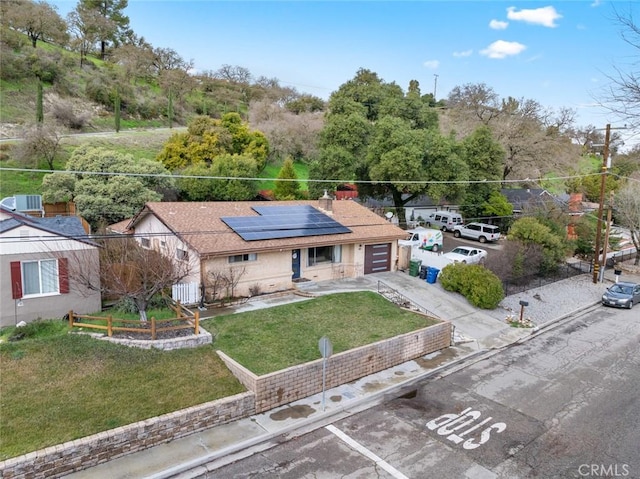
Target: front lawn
column 57, row 387
column 63, row 387
column 268, row 340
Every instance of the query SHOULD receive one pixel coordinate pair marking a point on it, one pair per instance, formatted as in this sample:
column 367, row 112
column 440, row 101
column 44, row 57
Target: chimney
column 325, row 202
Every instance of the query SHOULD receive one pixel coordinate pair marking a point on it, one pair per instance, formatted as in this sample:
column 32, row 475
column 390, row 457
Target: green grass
column 57, row 387
column 270, row 339
column 63, row 387
column 271, row 172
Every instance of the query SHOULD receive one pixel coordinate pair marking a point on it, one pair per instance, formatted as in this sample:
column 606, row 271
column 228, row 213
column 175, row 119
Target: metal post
column 603, row 178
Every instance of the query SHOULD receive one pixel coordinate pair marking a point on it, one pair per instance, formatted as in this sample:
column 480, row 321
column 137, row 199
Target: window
column 182, row 254
column 325, row 254
column 240, row 258
column 145, row 242
column 39, row 277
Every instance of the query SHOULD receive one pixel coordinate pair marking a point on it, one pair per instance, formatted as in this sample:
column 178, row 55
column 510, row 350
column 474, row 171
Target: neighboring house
column 38, row 259
column 267, row 246
column 523, row 199
column 415, row 210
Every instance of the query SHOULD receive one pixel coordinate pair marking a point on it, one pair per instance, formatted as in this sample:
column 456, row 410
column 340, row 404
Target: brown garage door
column 377, row 258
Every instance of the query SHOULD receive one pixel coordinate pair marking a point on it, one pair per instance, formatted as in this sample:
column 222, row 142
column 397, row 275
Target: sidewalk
column 477, row 334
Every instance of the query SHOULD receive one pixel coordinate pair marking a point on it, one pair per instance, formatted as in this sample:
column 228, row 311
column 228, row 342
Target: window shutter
column 16, row 280
column 63, row 275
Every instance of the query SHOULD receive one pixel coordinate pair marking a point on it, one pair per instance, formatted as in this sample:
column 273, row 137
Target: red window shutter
column 63, row 275
column 16, row 280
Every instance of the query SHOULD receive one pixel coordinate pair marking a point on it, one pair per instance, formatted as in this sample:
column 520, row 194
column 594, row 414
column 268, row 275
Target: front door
column 295, row 263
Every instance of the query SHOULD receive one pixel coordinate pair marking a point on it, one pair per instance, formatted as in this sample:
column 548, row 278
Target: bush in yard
column 481, row 287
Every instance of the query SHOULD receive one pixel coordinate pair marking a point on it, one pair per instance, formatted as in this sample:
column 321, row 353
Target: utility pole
column 603, row 179
column 606, row 234
column 435, row 85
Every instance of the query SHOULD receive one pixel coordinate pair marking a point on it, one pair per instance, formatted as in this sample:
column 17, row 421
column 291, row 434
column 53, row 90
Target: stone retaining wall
column 58, row 461
column 297, row 382
column 180, row 342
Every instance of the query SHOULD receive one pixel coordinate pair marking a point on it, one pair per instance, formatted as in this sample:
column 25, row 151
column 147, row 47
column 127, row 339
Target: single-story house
column 264, row 247
column 39, row 259
column 523, row 199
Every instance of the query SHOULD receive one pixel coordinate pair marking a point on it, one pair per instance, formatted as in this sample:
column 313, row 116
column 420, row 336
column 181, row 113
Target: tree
column 627, row 212
column 529, row 230
column 498, row 206
column 40, row 142
column 387, row 140
column 237, row 175
column 37, row 20
column 207, row 138
column 287, row 186
column 532, row 137
column 129, row 270
column 622, row 96
column 484, row 158
column 85, row 26
column 113, row 25
column 289, row 134
column 107, row 186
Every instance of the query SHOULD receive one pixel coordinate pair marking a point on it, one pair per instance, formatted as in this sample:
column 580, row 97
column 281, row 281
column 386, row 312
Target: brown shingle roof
column 199, row 225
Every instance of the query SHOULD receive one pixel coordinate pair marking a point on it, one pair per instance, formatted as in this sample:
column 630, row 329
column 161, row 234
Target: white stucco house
column 267, row 246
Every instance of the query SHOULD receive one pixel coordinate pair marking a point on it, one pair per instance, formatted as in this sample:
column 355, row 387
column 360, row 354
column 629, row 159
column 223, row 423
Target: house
column 264, row 247
column 523, row 199
column 415, row 210
column 40, row 260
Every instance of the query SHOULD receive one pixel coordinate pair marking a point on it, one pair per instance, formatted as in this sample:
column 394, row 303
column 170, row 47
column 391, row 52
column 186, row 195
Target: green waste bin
column 414, row 267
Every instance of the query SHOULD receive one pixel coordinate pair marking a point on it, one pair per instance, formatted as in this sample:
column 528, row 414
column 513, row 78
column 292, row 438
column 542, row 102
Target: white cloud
column 545, row 16
column 498, row 25
column 432, row 64
column 502, row 49
column 466, row 53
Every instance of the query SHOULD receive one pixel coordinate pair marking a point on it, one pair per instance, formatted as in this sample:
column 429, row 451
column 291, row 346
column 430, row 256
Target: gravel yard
column 558, row 299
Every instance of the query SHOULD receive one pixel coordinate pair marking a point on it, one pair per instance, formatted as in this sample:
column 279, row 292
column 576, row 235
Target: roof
column 67, row 226
column 521, row 197
column 199, row 225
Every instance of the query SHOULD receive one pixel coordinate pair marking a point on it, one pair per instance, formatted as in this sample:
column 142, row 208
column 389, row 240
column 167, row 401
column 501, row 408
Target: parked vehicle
column 478, row 231
column 423, row 238
column 466, row 254
column 444, row 220
column 622, row 295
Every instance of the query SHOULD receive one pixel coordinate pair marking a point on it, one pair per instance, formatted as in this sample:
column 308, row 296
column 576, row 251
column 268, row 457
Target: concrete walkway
column 477, row 334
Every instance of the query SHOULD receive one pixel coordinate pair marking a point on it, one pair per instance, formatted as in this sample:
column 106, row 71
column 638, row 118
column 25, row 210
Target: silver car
column 622, row 295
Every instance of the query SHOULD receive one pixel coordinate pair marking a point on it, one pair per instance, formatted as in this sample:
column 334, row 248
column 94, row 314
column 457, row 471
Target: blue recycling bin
column 432, row 274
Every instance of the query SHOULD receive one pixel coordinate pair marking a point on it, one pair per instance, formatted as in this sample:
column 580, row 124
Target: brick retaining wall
column 58, row 461
column 297, row 382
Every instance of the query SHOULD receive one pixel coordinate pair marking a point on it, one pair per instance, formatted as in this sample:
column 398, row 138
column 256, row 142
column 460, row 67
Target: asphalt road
column 561, row 405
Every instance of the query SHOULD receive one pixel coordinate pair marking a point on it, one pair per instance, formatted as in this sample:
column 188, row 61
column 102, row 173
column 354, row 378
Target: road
column 562, row 405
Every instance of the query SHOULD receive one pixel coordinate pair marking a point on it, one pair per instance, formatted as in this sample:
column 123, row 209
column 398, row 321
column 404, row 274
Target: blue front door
column 295, row 263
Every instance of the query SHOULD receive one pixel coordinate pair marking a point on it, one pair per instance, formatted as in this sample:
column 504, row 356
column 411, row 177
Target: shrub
column 481, row 287
column 37, row 329
column 127, row 305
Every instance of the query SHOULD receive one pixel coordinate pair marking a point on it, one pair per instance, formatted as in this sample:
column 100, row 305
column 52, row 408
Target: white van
column 423, row 238
column 444, row 220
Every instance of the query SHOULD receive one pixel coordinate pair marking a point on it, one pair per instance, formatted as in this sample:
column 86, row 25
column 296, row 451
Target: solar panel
column 277, row 222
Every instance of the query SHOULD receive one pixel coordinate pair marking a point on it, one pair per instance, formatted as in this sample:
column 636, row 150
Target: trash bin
column 414, row 267
column 423, row 272
column 432, row 274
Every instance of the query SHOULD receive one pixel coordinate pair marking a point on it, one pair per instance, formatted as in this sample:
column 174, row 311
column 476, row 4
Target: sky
column 559, row 53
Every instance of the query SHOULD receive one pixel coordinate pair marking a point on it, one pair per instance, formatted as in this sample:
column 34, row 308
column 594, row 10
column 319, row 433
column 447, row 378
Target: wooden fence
column 153, row 326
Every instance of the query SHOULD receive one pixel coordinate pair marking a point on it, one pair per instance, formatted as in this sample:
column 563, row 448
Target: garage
column 377, row 258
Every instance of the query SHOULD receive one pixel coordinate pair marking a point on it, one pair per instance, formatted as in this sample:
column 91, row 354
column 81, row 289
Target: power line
column 307, row 180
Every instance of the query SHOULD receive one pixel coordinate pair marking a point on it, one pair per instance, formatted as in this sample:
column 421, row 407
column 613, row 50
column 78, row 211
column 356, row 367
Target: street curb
column 198, row 466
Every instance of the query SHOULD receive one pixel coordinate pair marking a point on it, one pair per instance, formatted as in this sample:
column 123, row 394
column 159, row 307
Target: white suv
column 478, row 231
